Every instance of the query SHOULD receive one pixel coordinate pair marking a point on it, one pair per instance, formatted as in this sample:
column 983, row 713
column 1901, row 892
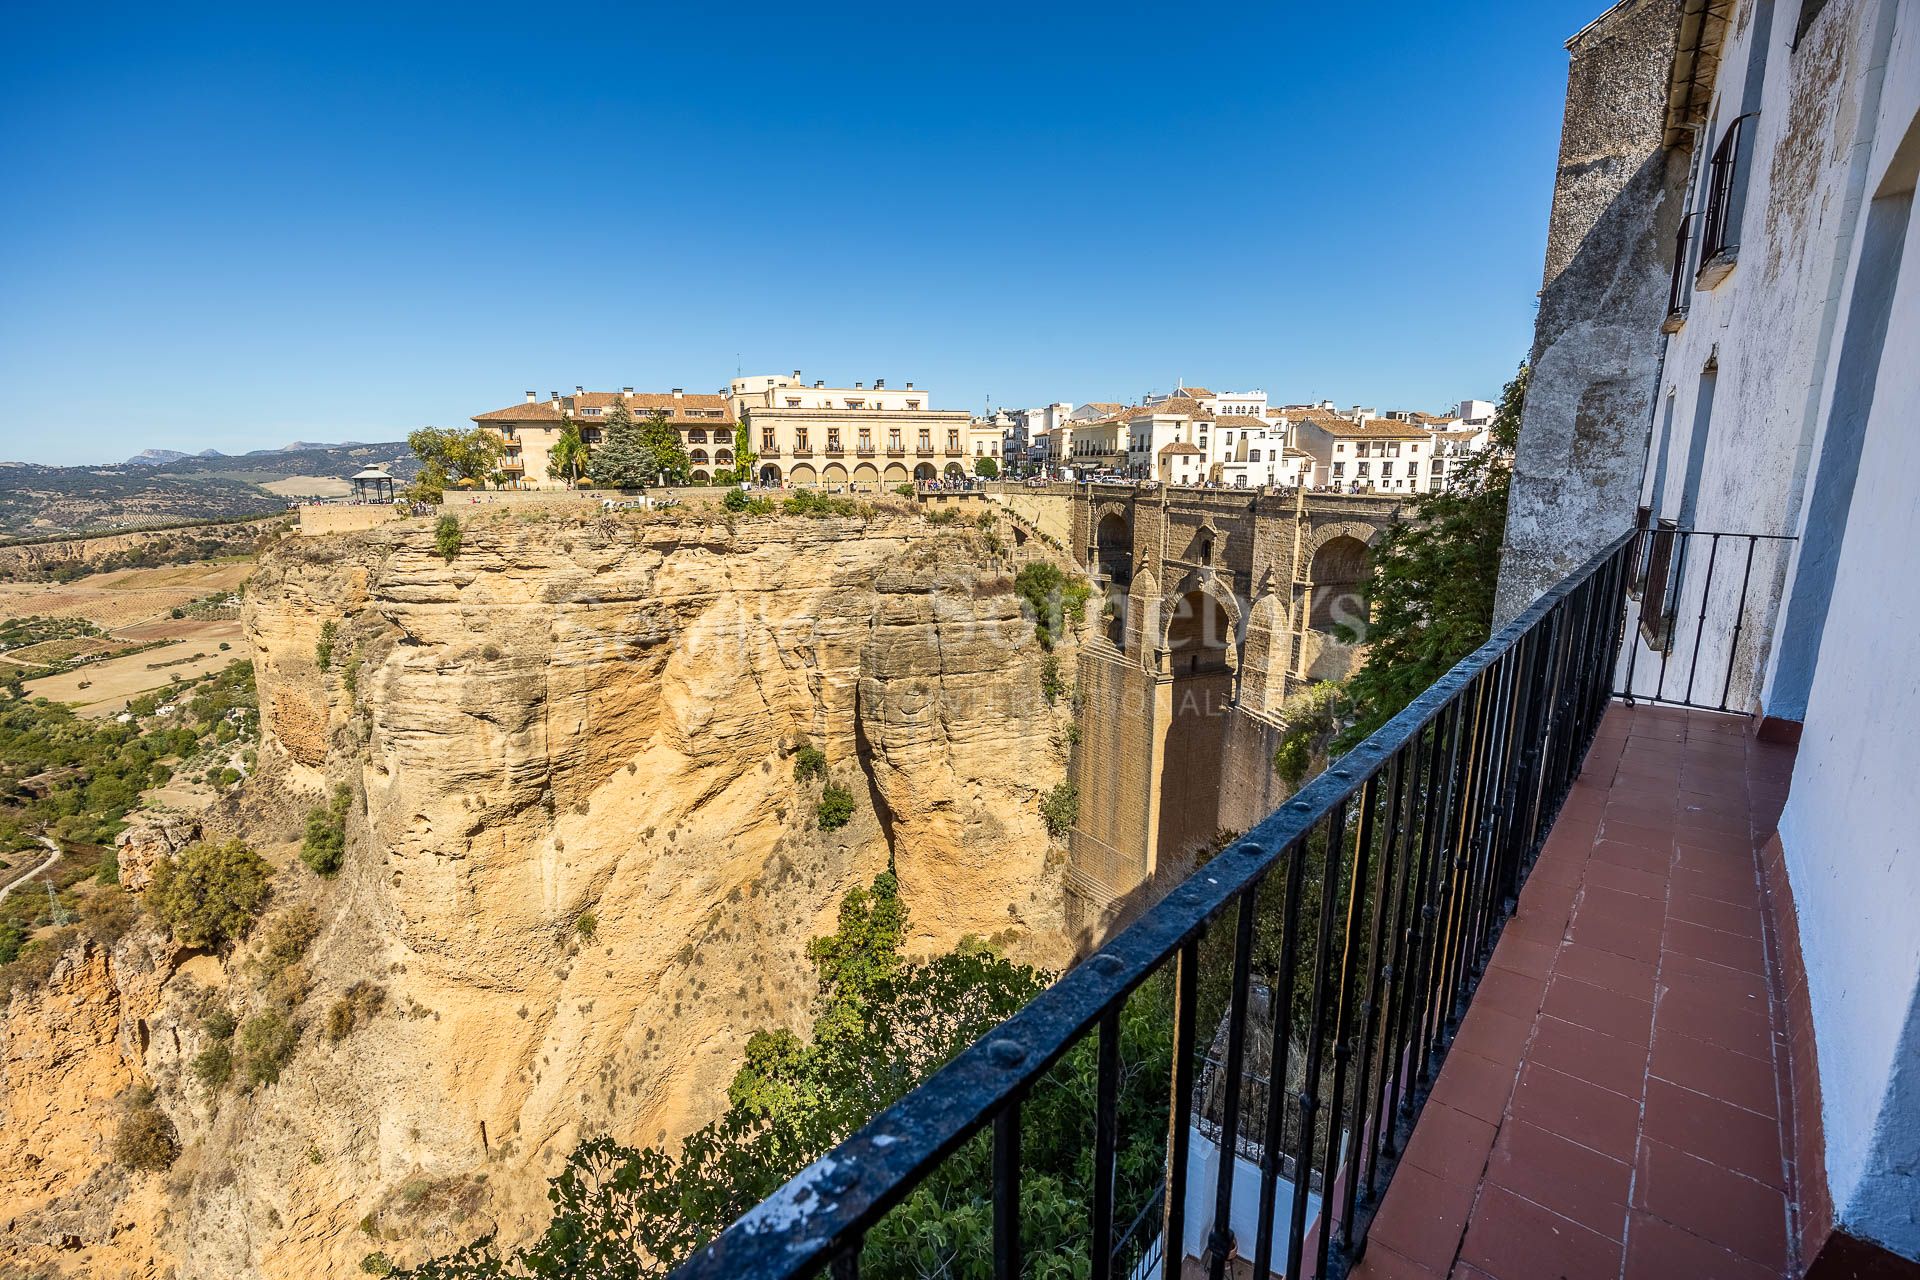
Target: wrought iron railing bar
column 825, row 1206
column 1105, row 1126
column 1700, row 623
column 1006, row 1192
column 1180, row 1104
column 1492, row 802
column 1739, row 622
column 1526, row 782
column 1462, row 863
column 1386, row 894
column 1393, row 1059
column 1316, row 1044
column 847, row 1265
column 1433, row 959
column 1343, row 1027
column 1279, row 1057
column 1675, row 575
column 1219, row 1243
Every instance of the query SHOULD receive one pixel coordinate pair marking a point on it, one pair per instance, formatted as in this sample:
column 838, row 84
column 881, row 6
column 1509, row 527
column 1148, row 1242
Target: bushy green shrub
column 1052, row 684
column 211, row 893
column 323, row 647
column 809, row 762
column 904, row 490
column 325, row 840
column 811, row 502
column 1060, row 809
column 835, row 809
column 738, row 499
column 267, row 1041
column 585, row 925
column 1055, row 599
column 213, row 1065
column 446, row 537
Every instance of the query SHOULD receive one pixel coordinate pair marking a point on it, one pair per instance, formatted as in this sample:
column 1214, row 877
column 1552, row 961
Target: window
column 589, row 413
column 1386, row 469
column 893, row 440
column 696, row 436
column 1361, row 470
column 913, row 404
column 953, row 442
column 1339, row 469
column 766, row 440
column 800, row 439
column 1253, row 456
column 866, row 440
column 856, row 404
column 833, row 439
column 926, row 441
column 1339, row 448
column 1720, row 232
column 792, row 402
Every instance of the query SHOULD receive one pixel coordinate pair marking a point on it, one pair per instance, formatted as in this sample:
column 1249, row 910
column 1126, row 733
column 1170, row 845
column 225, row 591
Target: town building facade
column 529, row 430
column 858, row 438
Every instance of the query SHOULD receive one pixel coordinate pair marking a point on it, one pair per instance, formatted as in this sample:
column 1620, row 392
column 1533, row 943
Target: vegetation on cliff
column 882, row 1024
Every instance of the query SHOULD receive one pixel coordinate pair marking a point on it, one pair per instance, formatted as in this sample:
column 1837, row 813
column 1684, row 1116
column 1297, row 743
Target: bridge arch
column 1338, row 571
column 1201, row 627
column 1113, row 543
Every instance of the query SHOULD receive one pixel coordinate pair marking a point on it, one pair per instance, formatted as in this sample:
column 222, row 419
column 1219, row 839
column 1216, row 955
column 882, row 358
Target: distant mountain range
column 160, row 457
column 161, row 486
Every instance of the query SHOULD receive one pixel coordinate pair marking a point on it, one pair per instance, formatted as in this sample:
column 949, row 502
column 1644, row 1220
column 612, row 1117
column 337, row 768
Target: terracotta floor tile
column 1616, row 1065
column 1740, row 1027
column 1449, row 1143
column 1635, row 857
column 1619, row 904
column 1422, row 1218
column 1514, row 1239
column 1599, row 1009
column 1383, row 1263
column 1524, row 956
column 1728, row 884
column 1635, row 942
column 1493, row 1034
column 1658, row 1250
column 1612, row 875
column 1748, row 1083
column 1727, row 917
column 1690, row 973
column 1479, row 1086
column 1512, row 992
column 1574, row 1181
column 1736, row 1213
column 1616, row 973
column 1715, row 1131
column 1731, row 950
column 1580, row 1112
column 1658, row 838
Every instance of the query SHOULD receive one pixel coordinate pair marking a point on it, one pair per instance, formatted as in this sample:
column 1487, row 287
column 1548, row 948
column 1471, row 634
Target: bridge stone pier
column 1219, row 605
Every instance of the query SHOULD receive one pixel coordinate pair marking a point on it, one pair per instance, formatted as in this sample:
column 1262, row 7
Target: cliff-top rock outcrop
column 579, row 867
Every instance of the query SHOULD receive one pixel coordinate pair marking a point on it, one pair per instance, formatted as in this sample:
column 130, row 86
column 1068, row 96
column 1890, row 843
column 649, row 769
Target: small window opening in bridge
column 1113, row 549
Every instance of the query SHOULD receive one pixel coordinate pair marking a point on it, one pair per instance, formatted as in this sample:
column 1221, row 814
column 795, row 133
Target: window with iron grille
column 1717, row 236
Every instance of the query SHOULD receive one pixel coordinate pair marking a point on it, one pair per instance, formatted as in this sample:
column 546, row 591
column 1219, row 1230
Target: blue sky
column 236, row 228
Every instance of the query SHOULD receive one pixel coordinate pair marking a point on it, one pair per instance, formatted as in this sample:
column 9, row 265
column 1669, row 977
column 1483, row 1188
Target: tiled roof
column 1195, row 391
column 1178, row 446
column 1108, row 407
column 1242, row 420
column 641, row 403
column 1174, row 407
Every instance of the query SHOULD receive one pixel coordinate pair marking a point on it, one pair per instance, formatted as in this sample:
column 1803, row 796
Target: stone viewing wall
column 323, row 518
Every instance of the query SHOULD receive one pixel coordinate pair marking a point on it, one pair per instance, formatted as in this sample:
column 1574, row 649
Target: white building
column 1779, row 423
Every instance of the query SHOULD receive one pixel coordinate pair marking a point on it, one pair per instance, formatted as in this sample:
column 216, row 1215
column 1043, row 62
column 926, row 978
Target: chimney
column 626, row 391
column 859, row 386
column 555, row 395
column 531, row 397
column 796, row 375
column 676, row 392
column 909, row 386
column 819, row 383
column 879, row 384
column 579, row 390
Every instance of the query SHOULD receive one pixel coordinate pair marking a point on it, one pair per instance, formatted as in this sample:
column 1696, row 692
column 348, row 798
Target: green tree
column 744, row 458
column 668, row 452
column 1429, row 593
column 446, row 537
column 986, row 468
column 883, row 1024
column 567, row 458
column 211, row 893
column 325, row 840
column 623, row 460
column 460, row 457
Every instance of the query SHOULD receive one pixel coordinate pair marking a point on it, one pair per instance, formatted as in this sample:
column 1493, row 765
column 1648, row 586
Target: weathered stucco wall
column 1596, row 350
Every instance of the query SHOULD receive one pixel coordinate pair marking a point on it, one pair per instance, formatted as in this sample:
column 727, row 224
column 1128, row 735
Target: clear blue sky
column 237, row 229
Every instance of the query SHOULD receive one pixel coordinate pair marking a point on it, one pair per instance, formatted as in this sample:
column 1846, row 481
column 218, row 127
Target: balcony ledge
column 1718, row 267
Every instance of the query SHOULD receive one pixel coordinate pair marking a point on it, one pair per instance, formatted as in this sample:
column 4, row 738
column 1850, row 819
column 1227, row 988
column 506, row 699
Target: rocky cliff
column 579, row 870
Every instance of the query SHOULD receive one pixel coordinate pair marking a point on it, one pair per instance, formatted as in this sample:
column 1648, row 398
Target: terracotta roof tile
column 641, row 403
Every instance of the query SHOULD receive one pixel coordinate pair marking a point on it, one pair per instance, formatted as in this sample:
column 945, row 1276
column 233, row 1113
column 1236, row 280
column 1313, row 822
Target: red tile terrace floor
column 1613, row 1104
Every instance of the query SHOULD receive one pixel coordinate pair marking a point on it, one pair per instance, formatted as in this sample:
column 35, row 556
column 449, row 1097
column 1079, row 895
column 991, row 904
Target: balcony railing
column 1678, row 291
column 1376, row 894
column 1691, row 639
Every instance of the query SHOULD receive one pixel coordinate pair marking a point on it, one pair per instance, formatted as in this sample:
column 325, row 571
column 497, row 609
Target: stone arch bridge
column 1220, row 603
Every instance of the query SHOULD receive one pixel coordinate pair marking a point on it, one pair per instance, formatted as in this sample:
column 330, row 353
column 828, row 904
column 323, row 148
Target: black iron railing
column 1678, row 292
column 1694, row 643
column 1369, row 903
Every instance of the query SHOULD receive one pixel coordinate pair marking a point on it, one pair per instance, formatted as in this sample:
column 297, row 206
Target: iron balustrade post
column 1279, row 1057
column 1642, row 550
column 1676, row 576
column 1180, row 1103
column 847, row 1265
column 1219, row 1240
column 1006, row 1192
column 1343, row 1028
column 1433, row 953
column 1700, row 623
column 1394, row 1059
column 1462, row 865
column 1316, row 1048
column 1739, row 621
column 1105, row 1123
column 1387, row 896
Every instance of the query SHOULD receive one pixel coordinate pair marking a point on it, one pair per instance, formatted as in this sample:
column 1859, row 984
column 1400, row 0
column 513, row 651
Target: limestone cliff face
column 578, row 864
